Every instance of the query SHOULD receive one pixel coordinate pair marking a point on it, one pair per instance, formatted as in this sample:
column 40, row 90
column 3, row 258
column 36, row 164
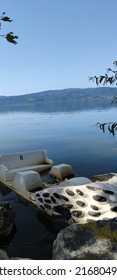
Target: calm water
column 69, row 137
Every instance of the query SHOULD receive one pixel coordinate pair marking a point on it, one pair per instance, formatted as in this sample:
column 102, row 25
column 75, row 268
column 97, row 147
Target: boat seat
column 10, row 164
column 27, row 181
column 38, row 168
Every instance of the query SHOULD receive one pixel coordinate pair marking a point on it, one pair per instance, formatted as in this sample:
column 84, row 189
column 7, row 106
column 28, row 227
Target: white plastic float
column 80, row 201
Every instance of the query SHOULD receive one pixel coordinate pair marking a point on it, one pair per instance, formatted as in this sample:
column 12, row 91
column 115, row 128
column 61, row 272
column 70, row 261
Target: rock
column 96, row 240
column 7, row 217
column 4, row 256
column 18, row 258
column 102, row 177
column 76, row 181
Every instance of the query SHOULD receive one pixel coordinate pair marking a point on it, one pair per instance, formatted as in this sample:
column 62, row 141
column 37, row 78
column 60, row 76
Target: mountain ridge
column 61, row 95
column 60, row 100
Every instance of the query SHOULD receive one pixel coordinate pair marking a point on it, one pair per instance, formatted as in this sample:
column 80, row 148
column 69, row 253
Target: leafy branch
column 106, row 78
column 110, row 77
column 10, row 37
column 111, row 127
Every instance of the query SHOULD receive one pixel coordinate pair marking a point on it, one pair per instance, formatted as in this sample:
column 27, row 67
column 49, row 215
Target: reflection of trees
column 110, row 77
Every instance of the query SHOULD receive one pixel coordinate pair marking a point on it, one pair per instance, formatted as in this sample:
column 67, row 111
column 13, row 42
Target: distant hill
column 63, row 95
column 60, row 100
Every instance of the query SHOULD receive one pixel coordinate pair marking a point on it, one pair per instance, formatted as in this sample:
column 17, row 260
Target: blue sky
column 61, row 43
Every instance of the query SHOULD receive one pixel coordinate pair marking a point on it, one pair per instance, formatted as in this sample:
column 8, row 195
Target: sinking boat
column 63, row 196
column 26, row 172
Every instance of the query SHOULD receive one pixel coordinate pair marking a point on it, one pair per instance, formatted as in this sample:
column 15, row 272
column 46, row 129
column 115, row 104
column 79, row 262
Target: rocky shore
column 7, row 217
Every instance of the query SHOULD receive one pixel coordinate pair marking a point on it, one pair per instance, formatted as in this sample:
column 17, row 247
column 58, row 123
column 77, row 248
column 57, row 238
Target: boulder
column 91, row 241
column 7, row 217
column 4, row 256
column 102, row 177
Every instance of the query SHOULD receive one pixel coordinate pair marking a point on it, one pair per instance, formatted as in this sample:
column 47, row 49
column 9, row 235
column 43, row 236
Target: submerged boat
column 56, row 191
column 26, row 172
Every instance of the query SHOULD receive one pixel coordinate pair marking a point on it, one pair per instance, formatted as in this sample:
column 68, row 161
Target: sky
column 61, row 44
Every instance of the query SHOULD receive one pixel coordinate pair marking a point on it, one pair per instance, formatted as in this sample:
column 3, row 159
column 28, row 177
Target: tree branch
column 10, row 37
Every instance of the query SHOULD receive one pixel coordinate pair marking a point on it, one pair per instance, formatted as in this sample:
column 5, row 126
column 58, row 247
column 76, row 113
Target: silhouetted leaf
column 101, row 78
column 11, row 38
column 102, row 126
column 115, row 63
column 6, row 19
column 109, row 69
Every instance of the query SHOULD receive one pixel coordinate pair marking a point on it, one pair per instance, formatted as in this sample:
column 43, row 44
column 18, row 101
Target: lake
column 70, row 135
